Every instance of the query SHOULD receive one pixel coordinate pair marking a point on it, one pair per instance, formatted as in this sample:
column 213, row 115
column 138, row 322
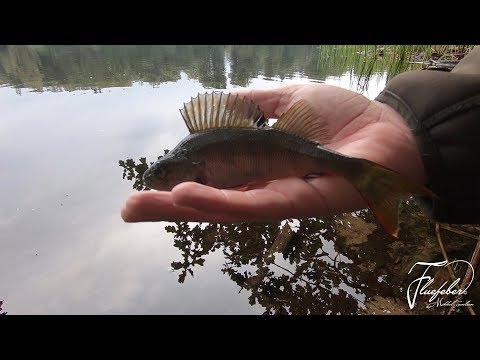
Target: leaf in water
column 170, row 228
column 1, row 304
column 176, row 265
column 181, row 277
column 141, row 168
column 238, row 278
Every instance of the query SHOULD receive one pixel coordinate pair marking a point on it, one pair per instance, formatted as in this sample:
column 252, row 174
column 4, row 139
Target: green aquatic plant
column 363, row 61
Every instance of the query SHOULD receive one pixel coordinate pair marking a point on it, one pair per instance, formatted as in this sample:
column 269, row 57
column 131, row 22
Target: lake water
column 76, row 123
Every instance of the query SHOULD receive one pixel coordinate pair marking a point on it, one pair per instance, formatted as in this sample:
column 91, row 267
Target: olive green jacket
column 443, row 111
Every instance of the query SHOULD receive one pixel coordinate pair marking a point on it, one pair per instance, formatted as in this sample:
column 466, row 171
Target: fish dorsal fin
column 219, row 110
column 301, row 120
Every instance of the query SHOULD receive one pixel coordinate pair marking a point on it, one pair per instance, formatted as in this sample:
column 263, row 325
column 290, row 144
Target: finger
column 338, row 194
column 158, row 206
column 258, row 204
column 271, row 102
column 286, row 198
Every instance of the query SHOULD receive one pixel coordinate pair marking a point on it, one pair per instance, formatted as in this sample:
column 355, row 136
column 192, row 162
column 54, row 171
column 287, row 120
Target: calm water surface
column 78, row 126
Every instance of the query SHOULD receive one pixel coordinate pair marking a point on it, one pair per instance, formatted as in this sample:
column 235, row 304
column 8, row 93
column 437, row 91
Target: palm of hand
column 357, row 127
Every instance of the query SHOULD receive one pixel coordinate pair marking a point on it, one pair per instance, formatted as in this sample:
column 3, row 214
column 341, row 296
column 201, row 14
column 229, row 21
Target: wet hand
column 358, row 127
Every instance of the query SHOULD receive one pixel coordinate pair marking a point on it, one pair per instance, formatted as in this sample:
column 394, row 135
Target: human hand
column 358, row 127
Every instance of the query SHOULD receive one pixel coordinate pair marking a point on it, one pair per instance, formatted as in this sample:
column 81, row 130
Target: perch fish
column 231, row 145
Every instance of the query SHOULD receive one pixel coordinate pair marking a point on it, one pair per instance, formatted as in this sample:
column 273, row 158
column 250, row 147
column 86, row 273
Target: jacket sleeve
column 443, row 111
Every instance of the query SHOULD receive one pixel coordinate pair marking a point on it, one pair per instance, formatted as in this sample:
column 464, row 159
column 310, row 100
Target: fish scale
column 242, row 156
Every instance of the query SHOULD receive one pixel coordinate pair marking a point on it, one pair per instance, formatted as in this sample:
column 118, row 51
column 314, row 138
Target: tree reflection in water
column 342, row 264
column 1, row 304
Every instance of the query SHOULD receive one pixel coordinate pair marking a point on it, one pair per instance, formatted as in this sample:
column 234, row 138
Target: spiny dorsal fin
column 300, row 120
column 219, row 110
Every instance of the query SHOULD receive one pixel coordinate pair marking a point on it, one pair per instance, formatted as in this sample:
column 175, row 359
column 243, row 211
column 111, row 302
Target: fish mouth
column 151, row 181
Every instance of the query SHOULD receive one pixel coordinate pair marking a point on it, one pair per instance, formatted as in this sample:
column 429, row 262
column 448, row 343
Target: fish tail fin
column 384, row 189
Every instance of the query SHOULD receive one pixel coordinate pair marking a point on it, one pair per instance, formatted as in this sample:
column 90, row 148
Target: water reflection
column 343, row 264
column 89, row 67
column 1, row 310
column 58, row 68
